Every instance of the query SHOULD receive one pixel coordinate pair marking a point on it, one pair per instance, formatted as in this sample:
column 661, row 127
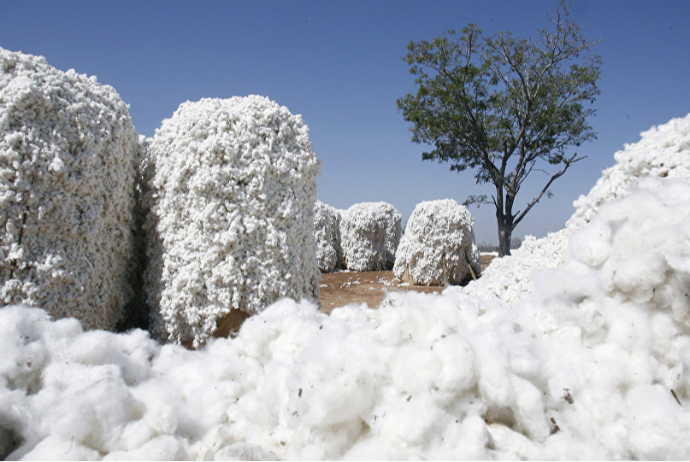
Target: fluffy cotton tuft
column 370, row 236
column 231, row 193
column 509, row 278
column 438, row 245
column 68, row 159
column 329, row 252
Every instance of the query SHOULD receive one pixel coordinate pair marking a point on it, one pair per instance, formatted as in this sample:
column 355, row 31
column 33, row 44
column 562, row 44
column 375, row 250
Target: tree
column 504, row 107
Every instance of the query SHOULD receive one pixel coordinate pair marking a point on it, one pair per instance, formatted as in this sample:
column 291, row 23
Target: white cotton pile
column 231, row 193
column 594, row 365
column 68, row 160
column 438, row 245
column 510, row 278
column 370, row 234
column 663, row 151
column 329, row 252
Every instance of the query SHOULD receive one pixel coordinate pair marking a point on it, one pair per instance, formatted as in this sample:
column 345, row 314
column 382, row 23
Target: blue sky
column 339, row 64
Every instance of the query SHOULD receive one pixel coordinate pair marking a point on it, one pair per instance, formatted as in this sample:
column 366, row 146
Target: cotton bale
column 68, row 163
column 370, row 235
column 329, row 252
column 231, row 189
column 438, row 245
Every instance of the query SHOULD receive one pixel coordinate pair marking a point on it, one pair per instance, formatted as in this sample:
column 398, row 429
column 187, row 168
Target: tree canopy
column 504, row 107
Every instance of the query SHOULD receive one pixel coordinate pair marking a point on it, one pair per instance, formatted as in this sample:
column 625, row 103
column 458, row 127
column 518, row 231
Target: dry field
column 370, row 287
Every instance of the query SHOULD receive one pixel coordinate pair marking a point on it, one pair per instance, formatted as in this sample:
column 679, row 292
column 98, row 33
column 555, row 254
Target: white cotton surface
column 662, row 151
column 586, row 360
column 438, row 245
column 68, row 160
column 592, row 365
column 329, row 251
column 509, row 278
column 370, row 234
column 231, row 186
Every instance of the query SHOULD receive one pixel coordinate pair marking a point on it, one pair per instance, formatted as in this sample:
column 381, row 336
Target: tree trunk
column 505, row 233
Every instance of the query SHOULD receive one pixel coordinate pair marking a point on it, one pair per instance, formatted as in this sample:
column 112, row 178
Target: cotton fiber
column 329, row 251
column 663, row 151
column 509, row 278
column 592, row 365
column 438, row 245
column 231, row 194
column 68, row 160
column 370, row 236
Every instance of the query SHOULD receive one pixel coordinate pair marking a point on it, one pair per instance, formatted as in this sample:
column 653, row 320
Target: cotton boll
column 591, row 244
column 163, row 447
column 411, row 422
column 492, row 363
column 528, row 409
column 377, row 449
column 106, row 407
column 466, row 440
column 131, row 353
column 135, row 434
column 345, row 397
column 658, row 426
column 158, row 401
column 56, row 448
column 457, row 367
column 415, row 370
column 242, row 451
column 511, row 444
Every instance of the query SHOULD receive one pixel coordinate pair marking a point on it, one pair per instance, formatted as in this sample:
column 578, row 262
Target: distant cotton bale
column 438, row 245
column 232, row 186
column 68, row 159
column 329, row 252
column 370, row 235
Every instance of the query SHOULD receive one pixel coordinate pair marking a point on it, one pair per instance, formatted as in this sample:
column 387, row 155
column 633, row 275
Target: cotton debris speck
column 68, row 160
column 438, row 245
column 329, row 251
column 370, row 234
column 232, row 186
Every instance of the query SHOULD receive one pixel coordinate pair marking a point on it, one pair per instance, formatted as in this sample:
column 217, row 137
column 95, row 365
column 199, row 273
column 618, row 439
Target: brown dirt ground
column 340, row 289
column 370, row 287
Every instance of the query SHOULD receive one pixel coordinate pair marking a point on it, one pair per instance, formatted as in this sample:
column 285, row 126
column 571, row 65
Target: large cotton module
column 438, row 245
column 232, row 186
column 68, row 159
column 329, row 252
column 370, row 233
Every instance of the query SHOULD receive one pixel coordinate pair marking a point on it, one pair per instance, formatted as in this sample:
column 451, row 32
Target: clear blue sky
column 339, row 64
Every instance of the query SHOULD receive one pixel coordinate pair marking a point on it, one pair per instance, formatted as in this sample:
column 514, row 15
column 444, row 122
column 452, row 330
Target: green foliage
column 504, row 107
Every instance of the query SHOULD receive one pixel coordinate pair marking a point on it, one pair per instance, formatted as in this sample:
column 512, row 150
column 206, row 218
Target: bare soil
column 370, row 287
column 340, row 289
